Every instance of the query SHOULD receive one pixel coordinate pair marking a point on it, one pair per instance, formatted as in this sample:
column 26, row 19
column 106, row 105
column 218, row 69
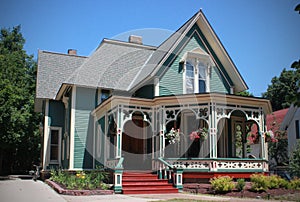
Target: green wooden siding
column 217, row 83
column 101, row 143
column 171, row 81
column 84, row 127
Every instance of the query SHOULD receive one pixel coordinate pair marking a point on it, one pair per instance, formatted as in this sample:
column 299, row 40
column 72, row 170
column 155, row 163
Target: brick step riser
column 125, row 185
column 145, row 183
column 151, row 192
column 144, row 179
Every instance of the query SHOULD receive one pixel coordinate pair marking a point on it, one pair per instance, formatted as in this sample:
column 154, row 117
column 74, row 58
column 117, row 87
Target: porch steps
column 145, row 183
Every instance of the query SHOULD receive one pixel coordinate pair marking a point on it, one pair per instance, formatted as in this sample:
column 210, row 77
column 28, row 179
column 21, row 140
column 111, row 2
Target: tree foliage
column 295, row 98
column 278, row 149
column 245, row 94
column 282, row 89
column 18, row 123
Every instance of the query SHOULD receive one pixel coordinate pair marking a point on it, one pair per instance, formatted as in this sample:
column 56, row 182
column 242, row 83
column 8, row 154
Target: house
column 291, row 124
column 171, row 110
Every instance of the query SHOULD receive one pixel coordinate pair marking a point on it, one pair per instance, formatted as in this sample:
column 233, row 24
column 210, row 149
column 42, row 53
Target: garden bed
column 279, row 193
column 63, row 190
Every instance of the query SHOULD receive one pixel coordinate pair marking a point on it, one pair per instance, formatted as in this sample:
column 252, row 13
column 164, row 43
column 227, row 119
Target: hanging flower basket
column 173, row 136
column 270, row 137
column 252, row 138
column 200, row 134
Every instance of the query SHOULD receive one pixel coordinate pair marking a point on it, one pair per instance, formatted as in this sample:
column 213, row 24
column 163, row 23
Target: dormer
column 196, row 65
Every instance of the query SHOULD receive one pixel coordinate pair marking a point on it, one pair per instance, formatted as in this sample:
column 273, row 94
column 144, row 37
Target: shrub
column 240, row 185
column 222, row 184
column 275, row 181
column 80, row 180
column 294, row 183
column 259, row 182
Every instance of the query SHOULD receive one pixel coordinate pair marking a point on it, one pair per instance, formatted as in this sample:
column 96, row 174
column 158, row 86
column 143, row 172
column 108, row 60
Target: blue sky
column 261, row 36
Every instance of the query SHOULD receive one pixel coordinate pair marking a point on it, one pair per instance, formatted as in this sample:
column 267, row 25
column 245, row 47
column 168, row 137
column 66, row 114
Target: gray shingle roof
column 163, row 50
column 53, row 70
column 113, row 65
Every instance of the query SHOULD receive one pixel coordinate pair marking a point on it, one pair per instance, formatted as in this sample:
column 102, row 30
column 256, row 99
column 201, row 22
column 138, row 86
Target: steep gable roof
column 113, row 65
column 53, row 70
column 167, row 48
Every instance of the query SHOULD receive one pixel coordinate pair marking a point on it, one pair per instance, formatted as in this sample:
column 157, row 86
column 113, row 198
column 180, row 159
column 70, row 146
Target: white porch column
column 213, row 131
column 46, row 135
column 162, row 129
column 72, row 128
column 264, row 146
column 120, row 116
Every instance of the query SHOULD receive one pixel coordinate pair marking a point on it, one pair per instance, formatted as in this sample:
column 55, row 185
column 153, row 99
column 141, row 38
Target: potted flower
column 270, row 137
column 199, row 134
column 173, row 136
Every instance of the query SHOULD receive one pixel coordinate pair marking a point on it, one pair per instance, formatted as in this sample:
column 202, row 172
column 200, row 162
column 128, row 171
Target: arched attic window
column 196, row 66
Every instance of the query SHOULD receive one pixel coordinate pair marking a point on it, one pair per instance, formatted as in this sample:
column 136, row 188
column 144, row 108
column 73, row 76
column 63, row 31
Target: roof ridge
column 63, row 54
column 125, row 43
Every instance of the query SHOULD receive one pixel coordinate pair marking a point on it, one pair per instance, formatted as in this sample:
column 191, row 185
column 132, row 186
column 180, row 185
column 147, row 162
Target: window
column 195, row 77
column 297, row 129
column 55, row 135
column 202, row 77
column 104, row 95
column 189, row 78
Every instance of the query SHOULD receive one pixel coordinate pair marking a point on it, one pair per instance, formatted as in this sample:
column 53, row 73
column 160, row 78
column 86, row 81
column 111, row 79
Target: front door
column 137, row 145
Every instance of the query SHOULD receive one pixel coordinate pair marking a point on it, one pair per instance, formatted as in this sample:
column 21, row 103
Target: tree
column 295, row 98
column 19, row 137
column 245, row 94
column 281, row 89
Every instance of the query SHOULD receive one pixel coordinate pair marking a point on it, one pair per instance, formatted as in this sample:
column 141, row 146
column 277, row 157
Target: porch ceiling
column 223, row 99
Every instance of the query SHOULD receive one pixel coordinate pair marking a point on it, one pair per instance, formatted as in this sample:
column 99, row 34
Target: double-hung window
column 189, row 78
column 196, row 65
column 55, row 145
column 202, row 77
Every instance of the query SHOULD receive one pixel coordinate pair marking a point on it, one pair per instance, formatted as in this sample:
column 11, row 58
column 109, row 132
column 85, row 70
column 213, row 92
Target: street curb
column 63, row 191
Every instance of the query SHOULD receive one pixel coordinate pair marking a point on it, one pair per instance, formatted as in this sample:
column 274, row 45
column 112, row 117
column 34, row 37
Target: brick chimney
column 72, row 52
column 135, row 39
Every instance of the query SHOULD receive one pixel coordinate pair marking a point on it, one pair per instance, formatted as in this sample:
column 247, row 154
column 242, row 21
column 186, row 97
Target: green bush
column 240, row 185
column 294, row 183
column 222, row 184
column 275, row 181
column 259, row 182
column 80, row 180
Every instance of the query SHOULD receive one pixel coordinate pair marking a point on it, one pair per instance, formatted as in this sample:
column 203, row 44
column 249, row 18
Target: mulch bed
column 247, row 193
column 62, row 190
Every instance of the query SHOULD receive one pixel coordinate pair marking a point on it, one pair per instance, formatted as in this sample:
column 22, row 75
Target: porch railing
column 218, row 165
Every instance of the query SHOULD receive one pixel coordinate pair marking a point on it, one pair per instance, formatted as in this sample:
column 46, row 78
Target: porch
column 133, row 134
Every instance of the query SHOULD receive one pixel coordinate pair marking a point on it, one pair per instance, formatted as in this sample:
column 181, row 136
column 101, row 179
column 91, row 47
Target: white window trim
column 195, row 58
column 59, row 144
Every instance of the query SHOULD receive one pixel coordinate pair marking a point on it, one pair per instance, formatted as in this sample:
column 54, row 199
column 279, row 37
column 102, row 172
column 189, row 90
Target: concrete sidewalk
column 156, row 197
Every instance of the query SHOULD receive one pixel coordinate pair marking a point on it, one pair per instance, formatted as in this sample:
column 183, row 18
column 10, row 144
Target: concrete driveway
column 17, row 190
